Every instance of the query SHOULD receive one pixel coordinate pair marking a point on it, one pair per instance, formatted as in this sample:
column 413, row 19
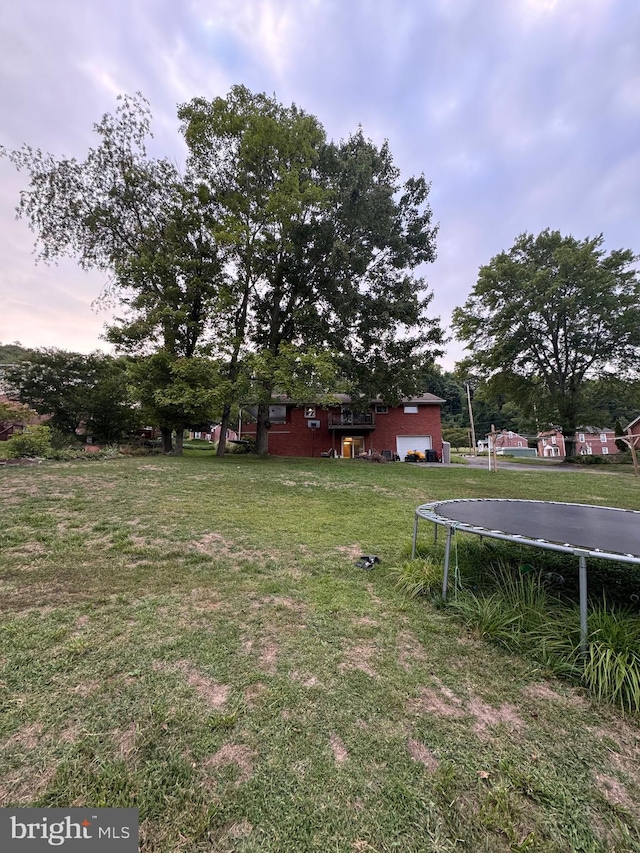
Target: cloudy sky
column 524, row 114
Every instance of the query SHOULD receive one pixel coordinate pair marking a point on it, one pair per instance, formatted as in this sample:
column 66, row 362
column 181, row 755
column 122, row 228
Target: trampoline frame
column 428, row 512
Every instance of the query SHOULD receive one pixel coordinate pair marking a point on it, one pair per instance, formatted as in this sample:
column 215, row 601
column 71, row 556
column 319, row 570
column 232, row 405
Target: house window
column 510, row 434
column 411, row 410
column 554, row 440
column 603, row 437
column 519, row 444
column 605, row 451
column 581, row 437
column 278, row 414
column 310, row 412
column 381, row 410
column 544, row 442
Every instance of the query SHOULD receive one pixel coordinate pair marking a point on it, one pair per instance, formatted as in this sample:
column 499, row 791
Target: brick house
column 338, row 431
column 551, row 443
column 506, row 439
column 595, row 441
column 18, row 422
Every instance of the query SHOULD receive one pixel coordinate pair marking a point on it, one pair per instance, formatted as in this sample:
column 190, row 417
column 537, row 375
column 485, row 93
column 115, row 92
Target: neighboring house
column 505, row 440
column 312, row 430
column 551, row 443
column 212, row 434
column 17, row 424
column 595, row 441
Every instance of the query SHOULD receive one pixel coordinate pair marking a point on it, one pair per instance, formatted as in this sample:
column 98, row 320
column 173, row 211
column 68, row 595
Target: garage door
column 406, row 443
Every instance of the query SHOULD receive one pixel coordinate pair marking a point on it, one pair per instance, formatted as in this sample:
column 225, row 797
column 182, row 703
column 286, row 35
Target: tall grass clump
column 534, row 611
column 612, row 665
column 418, row 577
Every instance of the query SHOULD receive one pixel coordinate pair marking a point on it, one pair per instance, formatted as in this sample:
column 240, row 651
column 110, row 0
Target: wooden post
column 493, row 449
column 473, row 429
column 630, row 441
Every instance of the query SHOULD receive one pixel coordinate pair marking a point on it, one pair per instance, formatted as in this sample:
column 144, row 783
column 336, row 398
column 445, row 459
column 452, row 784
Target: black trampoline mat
column 592, row 528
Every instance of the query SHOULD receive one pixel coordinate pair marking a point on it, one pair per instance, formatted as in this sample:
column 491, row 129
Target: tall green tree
column 141, row 221
column 320, row 240
column 79, row 391
column 549, row 314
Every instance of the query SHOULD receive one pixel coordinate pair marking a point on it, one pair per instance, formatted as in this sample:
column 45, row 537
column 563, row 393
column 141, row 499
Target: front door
column 352, row 446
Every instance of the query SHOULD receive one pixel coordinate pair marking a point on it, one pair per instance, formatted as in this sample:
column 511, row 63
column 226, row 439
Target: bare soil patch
column 419, row 752
column 410, row 650
column 487, row 715
column 358, row 656
column 231, row 755
column 616, row 793
column 214, row 694
column 268, row 656
column 26, row 737
column 340, row 753
column 25, row 785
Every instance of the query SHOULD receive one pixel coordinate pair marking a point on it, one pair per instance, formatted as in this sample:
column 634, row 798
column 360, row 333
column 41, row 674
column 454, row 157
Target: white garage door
column 406, row 443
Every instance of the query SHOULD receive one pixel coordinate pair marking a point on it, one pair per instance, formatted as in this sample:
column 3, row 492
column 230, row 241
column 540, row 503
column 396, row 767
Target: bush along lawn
column 191, row 637
column 527, row 601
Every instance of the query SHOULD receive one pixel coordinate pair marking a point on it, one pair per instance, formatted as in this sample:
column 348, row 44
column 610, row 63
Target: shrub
column 612, row 666
column 33, row 441
column 418, row 577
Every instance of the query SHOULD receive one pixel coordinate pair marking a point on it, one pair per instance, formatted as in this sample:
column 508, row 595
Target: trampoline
column 583, row 530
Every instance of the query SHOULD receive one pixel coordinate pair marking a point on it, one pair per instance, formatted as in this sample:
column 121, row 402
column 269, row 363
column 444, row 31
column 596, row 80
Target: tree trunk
column 179, row 440
column 262, row 430
column 224, row 425
column 167, row 444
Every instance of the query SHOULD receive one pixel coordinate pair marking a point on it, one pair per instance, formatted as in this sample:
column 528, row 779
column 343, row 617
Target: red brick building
column 395, row 431
column 595, row 441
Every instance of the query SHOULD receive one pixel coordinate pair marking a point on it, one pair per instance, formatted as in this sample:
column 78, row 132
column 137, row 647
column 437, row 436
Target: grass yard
column 191, row 637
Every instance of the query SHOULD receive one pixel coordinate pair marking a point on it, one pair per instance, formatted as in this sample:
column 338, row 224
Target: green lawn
column 191, row 637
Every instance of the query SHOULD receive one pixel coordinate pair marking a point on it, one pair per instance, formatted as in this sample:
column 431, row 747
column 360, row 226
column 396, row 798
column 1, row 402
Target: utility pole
column 473, row 429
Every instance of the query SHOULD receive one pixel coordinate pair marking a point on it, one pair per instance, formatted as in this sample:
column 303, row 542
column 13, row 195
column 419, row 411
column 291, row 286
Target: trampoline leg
column 415, row 537
column 435, row 533
column 582, row 561
column 447, row 555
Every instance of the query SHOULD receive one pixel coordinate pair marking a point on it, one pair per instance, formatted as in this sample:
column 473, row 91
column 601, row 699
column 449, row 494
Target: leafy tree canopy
column 549, row 314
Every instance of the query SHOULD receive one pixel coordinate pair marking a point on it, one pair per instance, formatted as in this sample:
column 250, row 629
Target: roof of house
column 420, row 400
column 632, row 424
column 591, row 430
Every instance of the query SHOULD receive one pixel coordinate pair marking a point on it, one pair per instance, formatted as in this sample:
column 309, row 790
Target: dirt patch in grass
column 541, row 691
column 410, row 650
column 268, row 657
column 240, row 830
column 25, row 785
column 286, row 603
column 340, row 754
column 366, row 622
column 442, row 702
column 431, row 701
column 419, row 752
column 358, row 656
column 254, row 692
column 26, row 737
column 214, row 694
column 125, row 741
column 616, row 793
column 487, row 716
column 304, row 678
column 231, row 755
column 353, row 552
column 371, row 590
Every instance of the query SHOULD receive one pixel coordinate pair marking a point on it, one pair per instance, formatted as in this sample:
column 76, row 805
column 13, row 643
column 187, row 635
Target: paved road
column 504, row 464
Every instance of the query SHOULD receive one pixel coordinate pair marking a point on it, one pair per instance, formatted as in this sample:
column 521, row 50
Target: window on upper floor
column 603, row 437
column 581, row 437
column 411, row 410
column 381, row 410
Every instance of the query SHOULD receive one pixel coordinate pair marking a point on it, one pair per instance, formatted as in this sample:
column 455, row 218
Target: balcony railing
column 339, row 420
